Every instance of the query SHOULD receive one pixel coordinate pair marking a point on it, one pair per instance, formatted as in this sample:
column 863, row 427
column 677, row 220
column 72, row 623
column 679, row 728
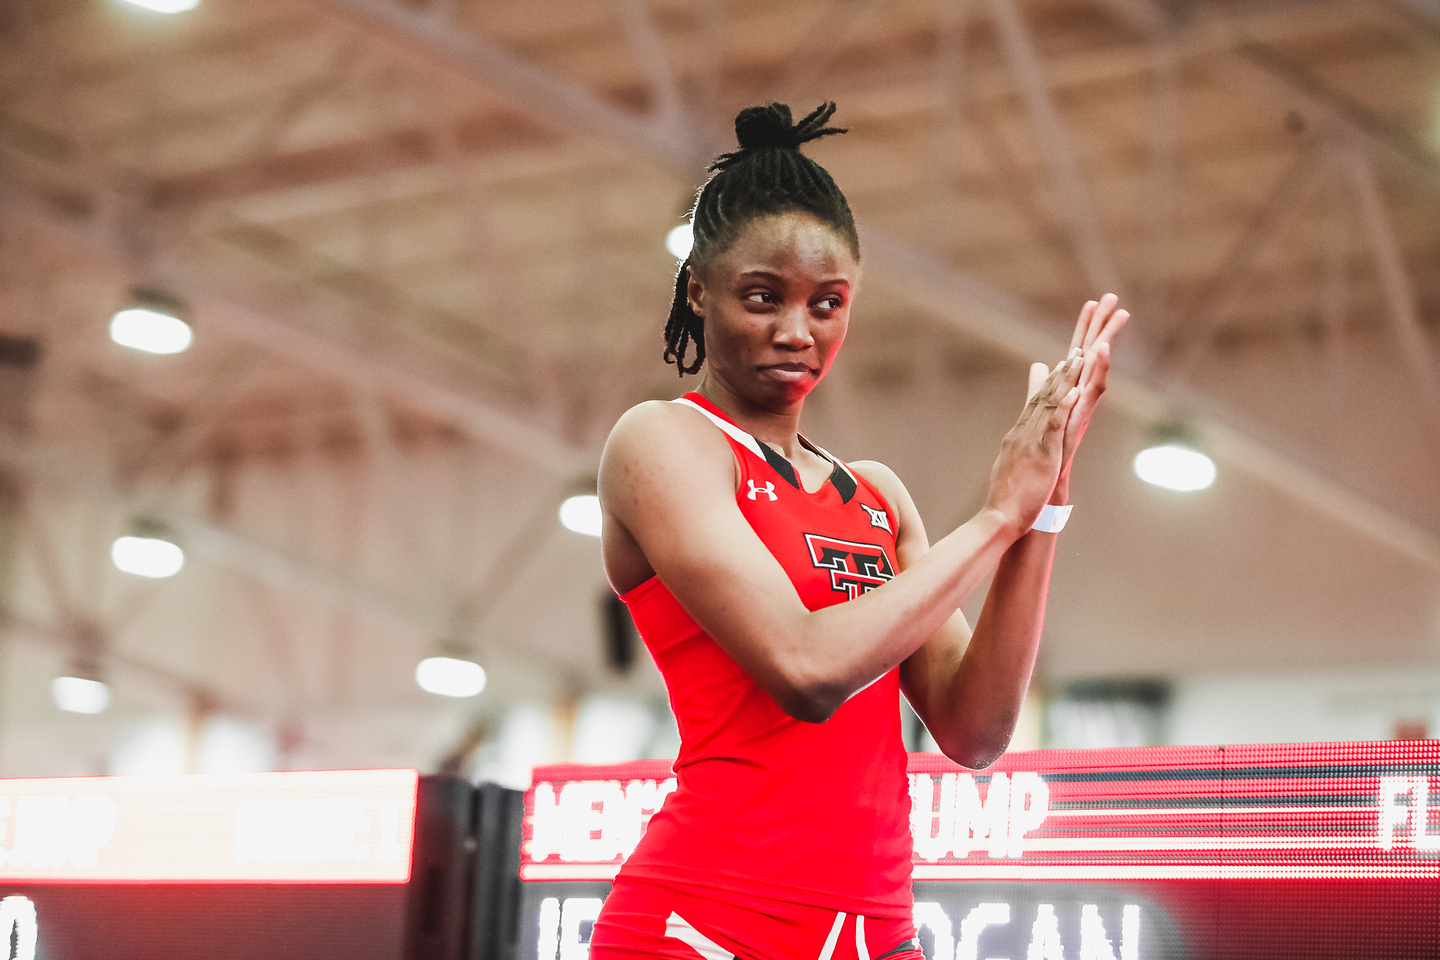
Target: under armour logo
column 768, row 490
column 878, row 518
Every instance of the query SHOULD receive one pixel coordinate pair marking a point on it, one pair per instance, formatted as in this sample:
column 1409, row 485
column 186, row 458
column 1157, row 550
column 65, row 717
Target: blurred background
column 314, row 313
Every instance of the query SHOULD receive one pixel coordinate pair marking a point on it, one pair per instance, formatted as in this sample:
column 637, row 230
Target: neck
column 777, row 426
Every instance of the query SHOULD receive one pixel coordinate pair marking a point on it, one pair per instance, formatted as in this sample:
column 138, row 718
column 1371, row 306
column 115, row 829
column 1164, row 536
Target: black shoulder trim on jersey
column 781, row 465
column 843, row 483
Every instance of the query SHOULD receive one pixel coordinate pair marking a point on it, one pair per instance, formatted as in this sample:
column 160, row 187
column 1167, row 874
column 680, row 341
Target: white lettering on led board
column 560, row 935
column 1045, row 941
column 600, row 821
column 19, row 929
column 318, row 830
column 593, row 821
column 1408, row 820
column 949, row 818
column 55, row 830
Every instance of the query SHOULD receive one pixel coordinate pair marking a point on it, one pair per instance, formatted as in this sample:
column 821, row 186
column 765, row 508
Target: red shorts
column 646, row 919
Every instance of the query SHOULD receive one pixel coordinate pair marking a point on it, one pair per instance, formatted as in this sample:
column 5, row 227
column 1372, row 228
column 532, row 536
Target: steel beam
column 1426, row 8
column 267, row 562
column 1057, row 149
column 511, row 77
column 1399, row 291
column 834, row 29
column 367, row 354
column 1143, row 16
column 1263, row 72
column 951, row 22
column 647, row 48
column 167, row 455
column 47, row 636
column 510, row 144
column 991, row 314
column 1162, row 155
column 1191, row 336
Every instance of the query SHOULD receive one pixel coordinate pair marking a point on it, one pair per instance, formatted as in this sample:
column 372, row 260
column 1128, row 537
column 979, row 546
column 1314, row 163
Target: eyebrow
column 771, row 275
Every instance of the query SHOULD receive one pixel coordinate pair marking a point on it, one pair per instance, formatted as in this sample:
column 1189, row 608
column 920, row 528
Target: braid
column 767, row 175
column 684, row 326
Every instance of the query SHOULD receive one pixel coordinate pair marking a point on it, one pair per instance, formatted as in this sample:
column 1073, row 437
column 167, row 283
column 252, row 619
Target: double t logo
column 854, row 567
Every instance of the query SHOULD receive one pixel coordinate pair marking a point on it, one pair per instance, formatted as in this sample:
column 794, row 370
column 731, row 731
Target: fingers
column 1074, row 367
column 1038, row 374
column 1105, row 333
column 1067, row 406
column 1082, row 325
column 1095, row 318
column 1042, row 393
column 1104, row 310
column 1113, row 325
column 1042, row 412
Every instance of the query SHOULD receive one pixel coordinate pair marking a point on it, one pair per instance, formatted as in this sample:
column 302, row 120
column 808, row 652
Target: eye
column 832, row 302
column 760, row 296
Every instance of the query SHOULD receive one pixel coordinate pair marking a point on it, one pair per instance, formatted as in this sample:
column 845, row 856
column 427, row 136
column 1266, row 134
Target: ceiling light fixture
column 150, row 551
column 164, row 6
column 450, row 676
column 581, row 513
column 1174, row 464
column 680, row 240
column 80, row 694
column 153, row 322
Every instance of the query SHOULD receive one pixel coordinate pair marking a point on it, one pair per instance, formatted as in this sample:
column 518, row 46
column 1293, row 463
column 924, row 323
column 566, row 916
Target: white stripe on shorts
column 678, row 928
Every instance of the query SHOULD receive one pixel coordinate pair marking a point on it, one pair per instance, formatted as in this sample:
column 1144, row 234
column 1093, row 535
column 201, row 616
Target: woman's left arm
column 967, row 688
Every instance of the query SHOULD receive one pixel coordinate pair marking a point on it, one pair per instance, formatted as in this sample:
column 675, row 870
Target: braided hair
column 767, row 175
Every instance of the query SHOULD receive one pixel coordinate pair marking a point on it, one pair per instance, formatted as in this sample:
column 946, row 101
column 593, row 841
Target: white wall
column 1304, row 706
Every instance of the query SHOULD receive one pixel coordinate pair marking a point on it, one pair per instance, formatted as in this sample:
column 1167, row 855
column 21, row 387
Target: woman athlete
column 788, row 598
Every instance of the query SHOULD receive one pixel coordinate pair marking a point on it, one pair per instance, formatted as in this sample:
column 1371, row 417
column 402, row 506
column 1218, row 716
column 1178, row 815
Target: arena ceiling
column 421, row 245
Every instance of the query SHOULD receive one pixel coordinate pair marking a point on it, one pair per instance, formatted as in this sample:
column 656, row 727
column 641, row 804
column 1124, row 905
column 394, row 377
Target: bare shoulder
column 661, row 426
column 672, row 436
column 885, row 480
column 911, row 534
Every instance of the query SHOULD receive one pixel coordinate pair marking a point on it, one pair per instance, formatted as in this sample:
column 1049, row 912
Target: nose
column 792, row 328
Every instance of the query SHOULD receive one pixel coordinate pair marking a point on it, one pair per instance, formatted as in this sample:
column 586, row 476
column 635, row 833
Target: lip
column 789, row 371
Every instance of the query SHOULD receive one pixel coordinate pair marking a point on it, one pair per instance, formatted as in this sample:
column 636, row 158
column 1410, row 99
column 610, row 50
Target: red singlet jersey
column 767, row 805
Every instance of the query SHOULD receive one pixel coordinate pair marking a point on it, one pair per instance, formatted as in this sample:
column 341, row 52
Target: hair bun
column 758, row 128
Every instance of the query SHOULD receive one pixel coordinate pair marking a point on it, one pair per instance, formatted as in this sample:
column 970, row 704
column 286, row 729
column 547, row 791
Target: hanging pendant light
column 149, row 550
column 1175, row 461
column 153, row 321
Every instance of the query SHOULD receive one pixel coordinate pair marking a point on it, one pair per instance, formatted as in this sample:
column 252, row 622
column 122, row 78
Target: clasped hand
column 1035, row 456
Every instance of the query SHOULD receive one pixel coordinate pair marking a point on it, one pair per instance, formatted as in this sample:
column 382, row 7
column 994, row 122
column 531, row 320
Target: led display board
column 1314, row 850
column 334, row 826
column 360, row 865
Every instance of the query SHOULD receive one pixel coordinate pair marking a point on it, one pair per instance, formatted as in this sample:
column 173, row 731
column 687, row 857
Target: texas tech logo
column 854, row 567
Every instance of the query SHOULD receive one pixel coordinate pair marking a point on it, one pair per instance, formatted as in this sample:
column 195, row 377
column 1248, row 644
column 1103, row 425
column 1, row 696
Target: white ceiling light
column 164, row 6
column 582, row 514
column 450, row 676
column 680, row 240
column 153, row 321
column 147, row 556
column 79, row 695
column 141, row 328
column 1175, row 466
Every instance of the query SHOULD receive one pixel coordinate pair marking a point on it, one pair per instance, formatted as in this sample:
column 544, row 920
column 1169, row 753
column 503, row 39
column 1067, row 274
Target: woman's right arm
column 667, row 480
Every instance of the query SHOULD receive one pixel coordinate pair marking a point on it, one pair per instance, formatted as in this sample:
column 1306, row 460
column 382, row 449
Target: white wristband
column 1052, row 518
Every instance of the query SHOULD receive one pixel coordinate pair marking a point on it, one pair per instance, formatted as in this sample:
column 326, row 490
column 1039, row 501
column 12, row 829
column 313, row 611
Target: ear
column 695, row 292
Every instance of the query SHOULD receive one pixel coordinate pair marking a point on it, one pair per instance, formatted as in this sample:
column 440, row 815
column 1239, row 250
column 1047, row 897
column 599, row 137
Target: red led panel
column 1271, row 812
column 340, row 826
